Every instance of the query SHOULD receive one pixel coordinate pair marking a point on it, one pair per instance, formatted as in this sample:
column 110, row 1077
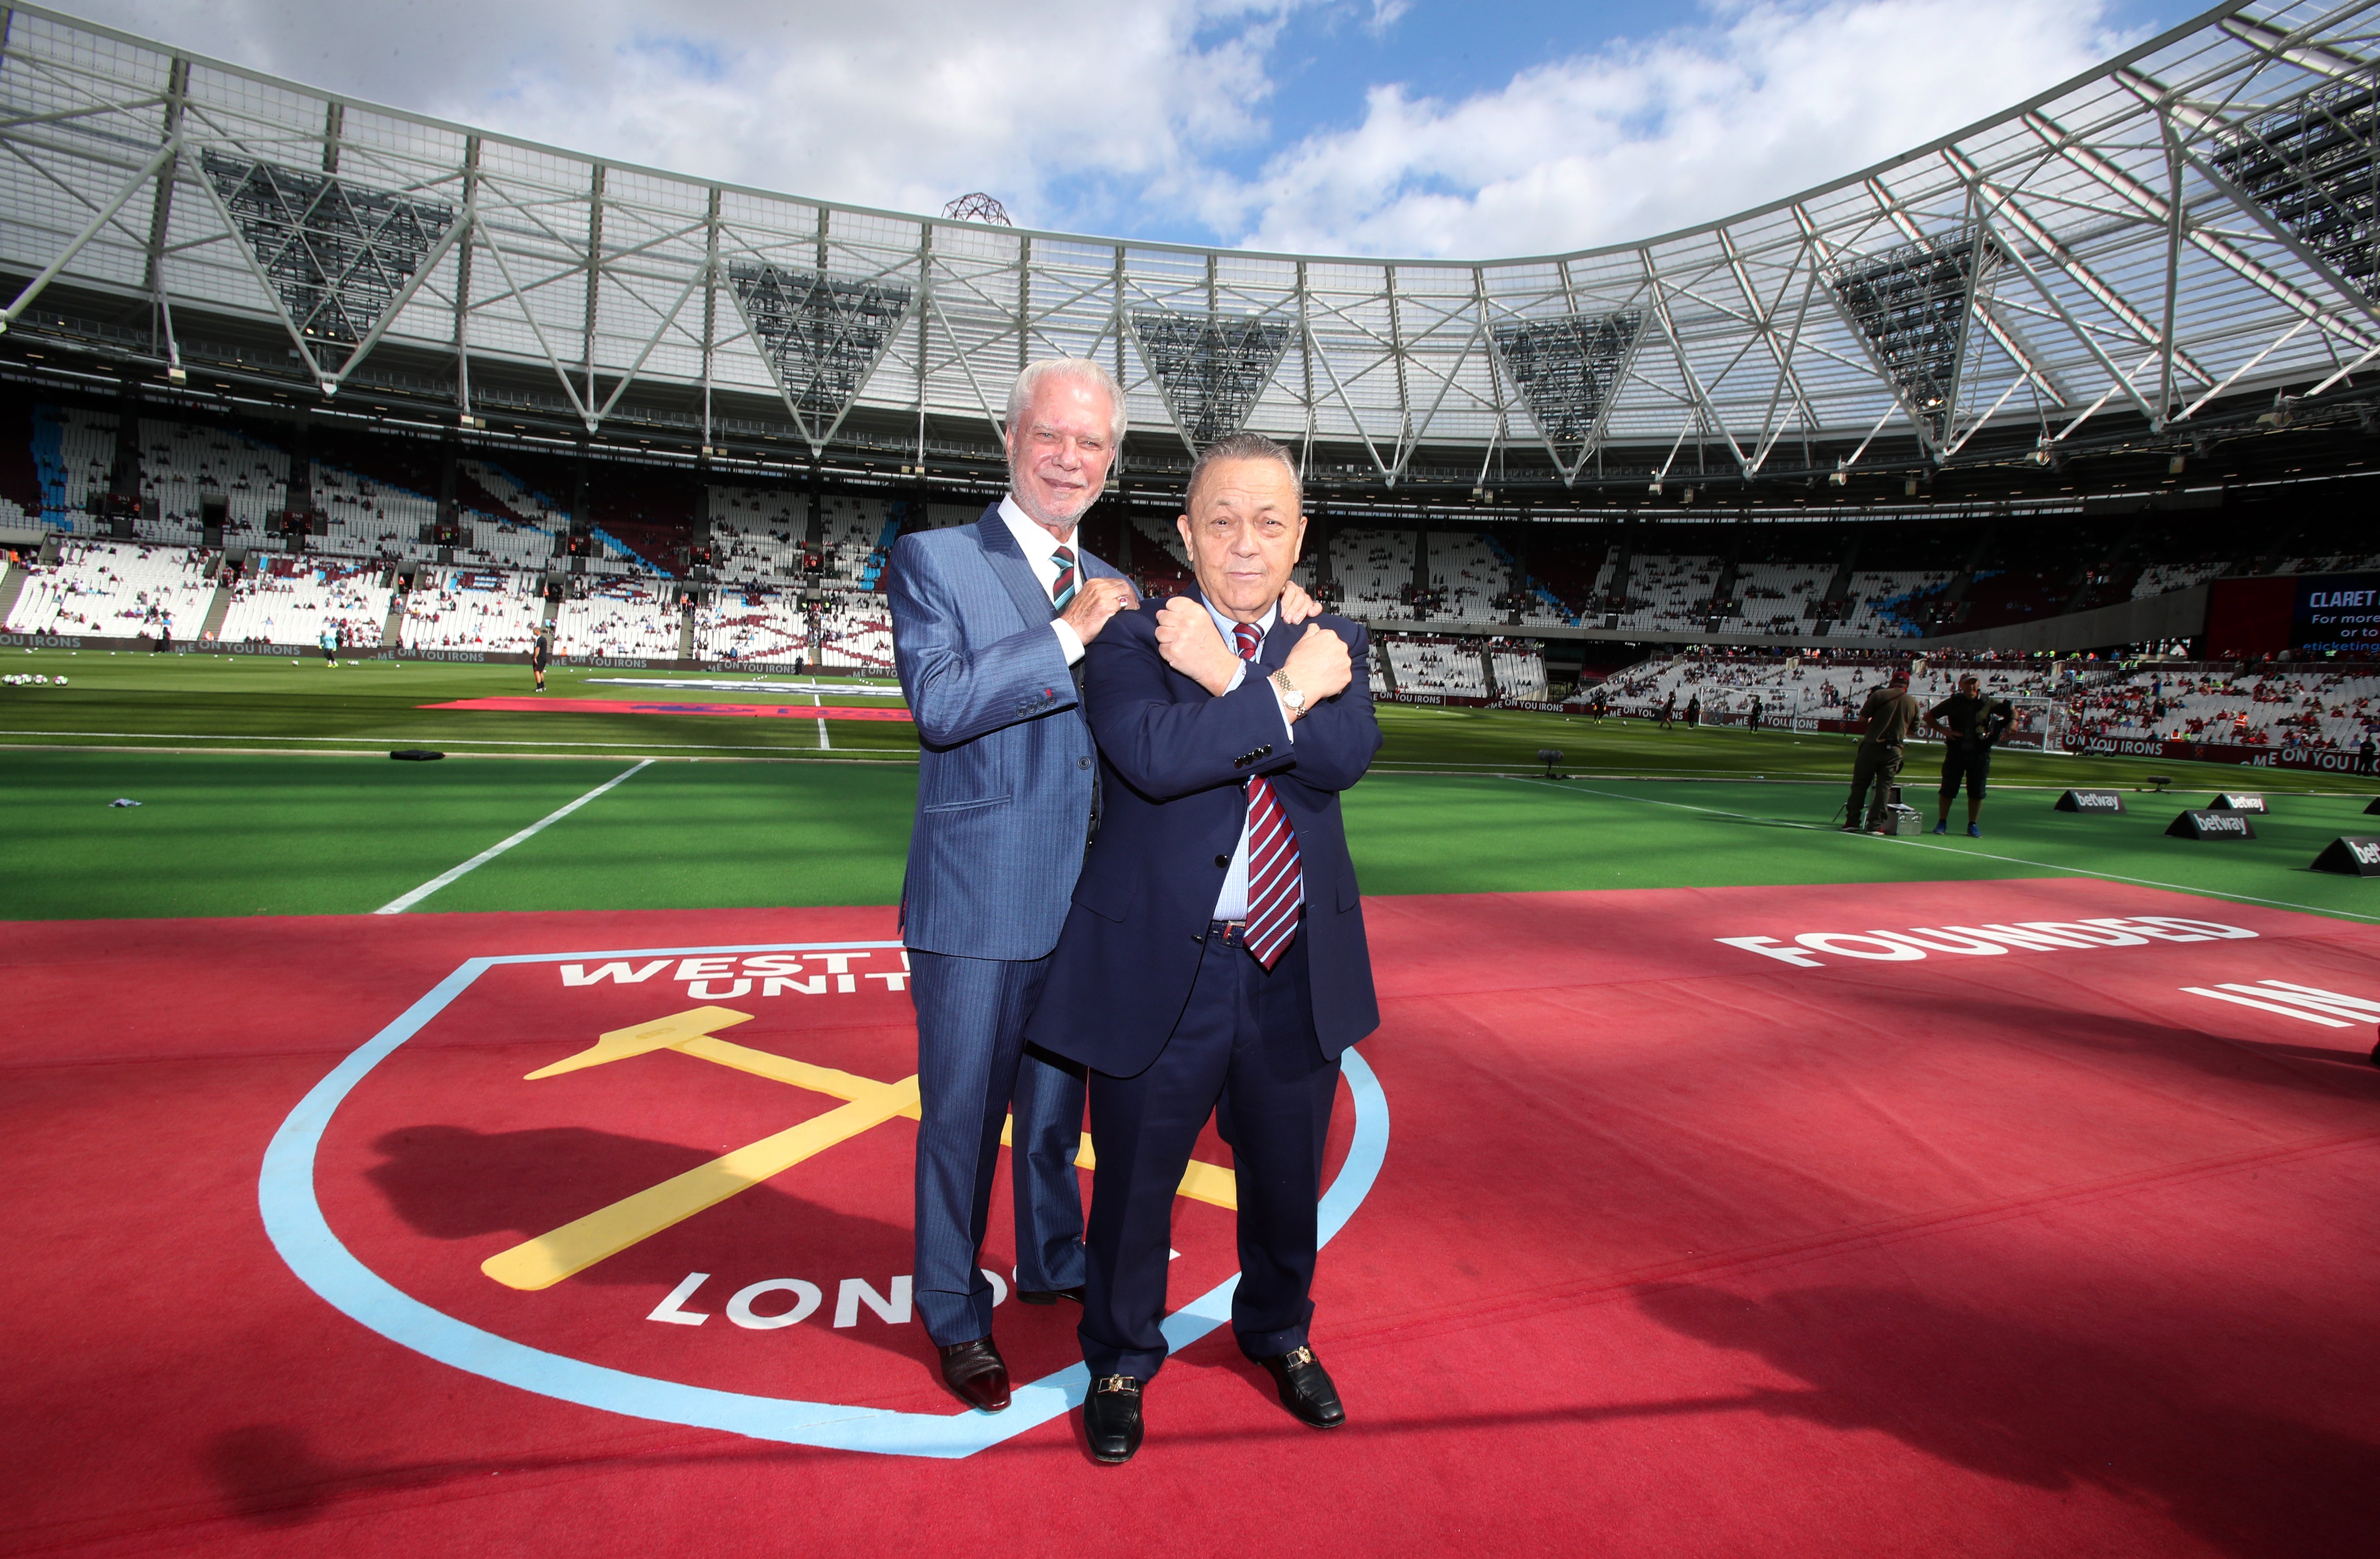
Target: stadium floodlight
column 1913, row 304
column 338, row 253
column 2312, row 165
column 1209, row 369
column 824, row 334
column 1565, row 370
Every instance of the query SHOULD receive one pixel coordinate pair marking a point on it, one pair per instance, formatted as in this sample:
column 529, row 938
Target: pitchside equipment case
column 2101, row 801
column 2208, row 824
column 2351, row 854
column 1903, row 821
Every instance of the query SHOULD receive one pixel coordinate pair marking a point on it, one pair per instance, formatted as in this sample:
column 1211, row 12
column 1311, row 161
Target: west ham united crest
column 676, row 1183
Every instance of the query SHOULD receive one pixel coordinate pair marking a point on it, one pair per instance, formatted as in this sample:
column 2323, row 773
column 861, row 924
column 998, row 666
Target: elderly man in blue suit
column 1214, row 960
column 990, row 621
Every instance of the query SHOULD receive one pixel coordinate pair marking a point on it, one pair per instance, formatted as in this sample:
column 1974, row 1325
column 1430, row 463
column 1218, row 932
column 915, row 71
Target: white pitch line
column 824, row 745
column 1979, row 855
column 398, row 905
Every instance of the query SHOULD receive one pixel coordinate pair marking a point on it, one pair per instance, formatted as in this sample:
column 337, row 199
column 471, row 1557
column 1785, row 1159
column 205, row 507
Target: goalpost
column 2040, row 726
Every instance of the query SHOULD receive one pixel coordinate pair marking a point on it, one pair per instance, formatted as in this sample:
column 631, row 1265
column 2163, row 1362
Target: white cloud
column 1635, row 140
column 1130, row 117
column 901, row 103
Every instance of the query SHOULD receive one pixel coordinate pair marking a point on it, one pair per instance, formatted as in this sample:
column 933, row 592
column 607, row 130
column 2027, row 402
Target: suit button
column 1265, row 751
column 1082, row 762
column 1223, row 860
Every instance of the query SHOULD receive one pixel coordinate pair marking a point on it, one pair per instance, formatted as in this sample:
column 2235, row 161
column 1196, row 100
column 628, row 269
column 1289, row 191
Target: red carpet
column 628, row 706
column 1677, row 1248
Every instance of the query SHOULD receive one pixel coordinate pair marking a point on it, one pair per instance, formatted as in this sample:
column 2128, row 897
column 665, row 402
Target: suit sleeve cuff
column 1069, row 641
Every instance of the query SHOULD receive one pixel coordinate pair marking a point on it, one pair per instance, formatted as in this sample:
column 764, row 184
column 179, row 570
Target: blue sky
column 1399, row 127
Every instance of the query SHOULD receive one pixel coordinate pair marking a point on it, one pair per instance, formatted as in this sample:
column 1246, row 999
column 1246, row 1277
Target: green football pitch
column 265, row 788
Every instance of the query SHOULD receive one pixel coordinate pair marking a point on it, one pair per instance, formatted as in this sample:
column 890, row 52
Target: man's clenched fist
column 1318, row 665
column 1186, row 637
column 1094, row 603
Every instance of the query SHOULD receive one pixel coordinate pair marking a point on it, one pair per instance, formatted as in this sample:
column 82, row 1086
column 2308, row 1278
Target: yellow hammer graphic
column 545, row 1261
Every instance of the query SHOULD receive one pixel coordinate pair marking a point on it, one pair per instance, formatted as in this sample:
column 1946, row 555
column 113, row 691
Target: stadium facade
column 2158, row 282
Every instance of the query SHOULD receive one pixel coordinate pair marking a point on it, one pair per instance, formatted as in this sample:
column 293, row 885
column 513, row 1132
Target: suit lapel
column 1009, row 567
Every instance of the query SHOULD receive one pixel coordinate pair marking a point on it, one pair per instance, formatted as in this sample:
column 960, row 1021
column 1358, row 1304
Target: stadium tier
column 118, row 590
column 294, row 601
column 620, row 617
column 483, row 609
column 753, row 626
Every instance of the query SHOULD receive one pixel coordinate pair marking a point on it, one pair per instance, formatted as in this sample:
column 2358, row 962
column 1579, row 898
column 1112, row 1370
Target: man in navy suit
column 990, row 621
column 1214, row 959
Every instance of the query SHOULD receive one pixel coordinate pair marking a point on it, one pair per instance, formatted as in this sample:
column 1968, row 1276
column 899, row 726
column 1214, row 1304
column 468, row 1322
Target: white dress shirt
column 1232, row 904
column 1041, row 551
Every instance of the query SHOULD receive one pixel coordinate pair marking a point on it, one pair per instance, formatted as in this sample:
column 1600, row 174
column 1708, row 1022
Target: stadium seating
column 183, row 464
column 1520, row 672
column 1883, row 603
column 291, row 599
column 1671, row 593
column 74, row 452
column 855, row 534
column 1437, row 665
column 2294, row 707
column 118, row 590
column 855, row 634
column 752, row 626
column 1778, row 598
column 1468, row 574
column 484, row 609
column 632, row 618
column 1373, row 571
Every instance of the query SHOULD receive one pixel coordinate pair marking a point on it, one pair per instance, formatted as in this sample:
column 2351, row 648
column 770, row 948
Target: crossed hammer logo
column 545, row 1261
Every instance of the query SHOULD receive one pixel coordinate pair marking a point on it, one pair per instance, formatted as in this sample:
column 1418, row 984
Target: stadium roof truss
column 2196, row 218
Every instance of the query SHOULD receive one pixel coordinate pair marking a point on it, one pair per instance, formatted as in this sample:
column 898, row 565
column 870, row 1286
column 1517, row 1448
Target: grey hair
column 1084, row 370
column 1245, row 446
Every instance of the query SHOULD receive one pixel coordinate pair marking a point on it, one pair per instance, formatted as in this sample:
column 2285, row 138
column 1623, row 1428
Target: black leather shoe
column 1305, row 1388
column 977, row 1373
column 1051, row 1296
column 1112, row 1419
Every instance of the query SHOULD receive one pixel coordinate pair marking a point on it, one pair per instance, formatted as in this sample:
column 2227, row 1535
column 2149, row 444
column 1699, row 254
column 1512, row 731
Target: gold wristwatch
column 1289, row 693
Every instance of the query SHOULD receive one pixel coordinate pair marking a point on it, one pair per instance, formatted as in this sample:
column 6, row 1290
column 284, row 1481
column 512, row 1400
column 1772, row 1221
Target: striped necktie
column 1061, row 589
column 1275, row 884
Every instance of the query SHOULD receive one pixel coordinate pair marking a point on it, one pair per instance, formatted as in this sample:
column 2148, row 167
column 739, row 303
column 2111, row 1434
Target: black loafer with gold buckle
column 1112, row 1419
column 1305, row 1388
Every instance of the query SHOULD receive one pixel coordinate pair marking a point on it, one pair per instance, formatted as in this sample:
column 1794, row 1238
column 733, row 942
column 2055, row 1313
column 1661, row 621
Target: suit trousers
column 1244, row 1050
column 973, row 1064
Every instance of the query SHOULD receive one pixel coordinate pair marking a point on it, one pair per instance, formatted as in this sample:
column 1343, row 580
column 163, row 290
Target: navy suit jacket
column 1004, row 766
column 1175, row 758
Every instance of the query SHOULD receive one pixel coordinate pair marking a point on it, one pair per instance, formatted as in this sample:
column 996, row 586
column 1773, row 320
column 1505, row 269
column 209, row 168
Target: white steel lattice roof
column 2195, row 218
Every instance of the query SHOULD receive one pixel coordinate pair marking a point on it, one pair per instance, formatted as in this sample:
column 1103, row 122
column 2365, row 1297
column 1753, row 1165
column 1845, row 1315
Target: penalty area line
column 1953, row 849
column 403, row 902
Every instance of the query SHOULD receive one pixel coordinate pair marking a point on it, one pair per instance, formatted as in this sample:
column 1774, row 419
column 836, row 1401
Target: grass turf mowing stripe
column 1960, row 851
column 403, row 902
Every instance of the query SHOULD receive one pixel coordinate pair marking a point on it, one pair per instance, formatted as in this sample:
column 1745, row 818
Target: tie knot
column 1247, row 636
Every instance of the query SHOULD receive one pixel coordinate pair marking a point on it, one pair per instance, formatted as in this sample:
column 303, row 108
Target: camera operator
column 1970, row 725
column 1889, row 714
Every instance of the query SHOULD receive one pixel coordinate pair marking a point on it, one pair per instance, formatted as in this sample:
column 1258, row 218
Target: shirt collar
column 1223, row 625
column 1033, row 539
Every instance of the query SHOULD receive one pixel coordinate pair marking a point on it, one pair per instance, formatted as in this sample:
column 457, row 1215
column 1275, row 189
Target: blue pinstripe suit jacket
column 1006, row 767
